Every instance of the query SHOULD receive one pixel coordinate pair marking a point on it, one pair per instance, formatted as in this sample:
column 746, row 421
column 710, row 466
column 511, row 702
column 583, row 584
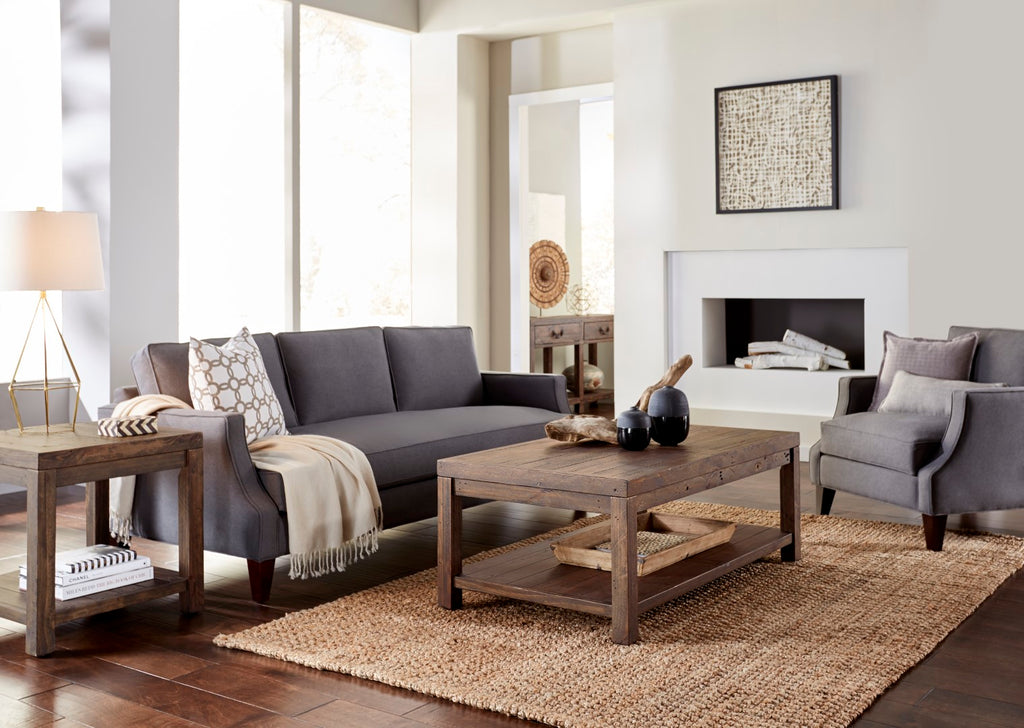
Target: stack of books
column 94, row 569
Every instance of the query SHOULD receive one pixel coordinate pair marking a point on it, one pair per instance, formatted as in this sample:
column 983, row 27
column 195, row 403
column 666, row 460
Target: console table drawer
column 557, row 333
column 599, row 330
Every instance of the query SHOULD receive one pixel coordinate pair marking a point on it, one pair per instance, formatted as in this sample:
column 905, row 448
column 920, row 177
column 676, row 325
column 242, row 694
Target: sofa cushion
column 163, row 369
column 433, row 367
column 337, row 373
column 999, row 357
column 404, row 447
column 233, row 378
column 897, row 441
column 928, row 357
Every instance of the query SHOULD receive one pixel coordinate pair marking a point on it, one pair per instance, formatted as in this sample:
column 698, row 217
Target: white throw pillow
column 914, row 394
column 233, row 378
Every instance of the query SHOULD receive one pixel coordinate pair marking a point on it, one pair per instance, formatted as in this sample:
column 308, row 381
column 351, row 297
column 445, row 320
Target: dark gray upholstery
column 433, row 367
column 898, row 441
column 339, row 373
column 163, row 369
column 345, row 377
column 971, row 461
column 999, row 356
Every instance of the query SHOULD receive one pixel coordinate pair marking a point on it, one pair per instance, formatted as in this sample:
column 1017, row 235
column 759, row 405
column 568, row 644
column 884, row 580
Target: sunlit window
column 232, row 167
column 30, row 154
column 355, row 131
column 597, row 201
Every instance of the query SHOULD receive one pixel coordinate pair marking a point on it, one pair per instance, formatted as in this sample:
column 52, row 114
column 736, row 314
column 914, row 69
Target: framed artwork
column 777, row 146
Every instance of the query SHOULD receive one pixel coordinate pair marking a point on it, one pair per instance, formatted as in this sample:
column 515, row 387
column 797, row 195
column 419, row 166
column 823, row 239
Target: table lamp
column 48, row 251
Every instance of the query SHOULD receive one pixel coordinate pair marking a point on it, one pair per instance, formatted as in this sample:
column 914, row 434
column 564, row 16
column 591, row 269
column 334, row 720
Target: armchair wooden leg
column 261, row 576
column 934, row 531
column 824, row 497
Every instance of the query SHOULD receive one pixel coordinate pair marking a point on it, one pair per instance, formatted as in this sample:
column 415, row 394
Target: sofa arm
column 120, row 395
column 240, row 518
column 980, row 467
column 855, row 394
column 544, row 391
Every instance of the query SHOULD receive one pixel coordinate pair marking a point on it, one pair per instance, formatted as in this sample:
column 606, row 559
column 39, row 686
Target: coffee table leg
column 625, row 611
column 449, row 544
column 789, row 504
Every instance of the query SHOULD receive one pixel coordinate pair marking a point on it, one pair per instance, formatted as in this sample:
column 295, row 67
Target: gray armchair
column 971, row 461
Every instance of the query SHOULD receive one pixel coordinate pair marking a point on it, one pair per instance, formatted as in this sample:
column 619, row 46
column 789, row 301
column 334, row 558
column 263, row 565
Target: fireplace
column 838, row 322
column 718, row 301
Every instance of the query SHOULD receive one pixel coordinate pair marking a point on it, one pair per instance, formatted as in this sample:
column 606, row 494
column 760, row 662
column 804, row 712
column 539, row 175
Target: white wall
column 929, row 144
column 403, row 14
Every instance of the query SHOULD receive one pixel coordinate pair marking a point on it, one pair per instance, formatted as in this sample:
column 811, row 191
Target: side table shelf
column 547, row 332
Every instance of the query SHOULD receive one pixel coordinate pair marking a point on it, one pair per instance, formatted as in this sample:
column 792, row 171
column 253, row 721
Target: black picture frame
column 776, row 114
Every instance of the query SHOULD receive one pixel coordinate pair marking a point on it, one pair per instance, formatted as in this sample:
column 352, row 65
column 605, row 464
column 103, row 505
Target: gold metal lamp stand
column 45, row 386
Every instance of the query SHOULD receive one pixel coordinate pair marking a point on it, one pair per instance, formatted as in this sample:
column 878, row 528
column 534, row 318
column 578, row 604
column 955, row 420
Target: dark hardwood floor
column 148, row 666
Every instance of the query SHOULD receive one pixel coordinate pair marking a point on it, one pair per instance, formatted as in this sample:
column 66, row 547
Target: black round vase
column 633, row 429
column 670, row 416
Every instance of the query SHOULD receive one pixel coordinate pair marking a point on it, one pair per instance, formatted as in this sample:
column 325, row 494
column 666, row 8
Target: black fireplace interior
column 838, row 322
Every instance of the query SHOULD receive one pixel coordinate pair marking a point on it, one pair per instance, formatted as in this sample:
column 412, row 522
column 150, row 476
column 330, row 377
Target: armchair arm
column 240, row 518
column 981, row 466
column 120, row 395
column 544, row 391
column 855, row 394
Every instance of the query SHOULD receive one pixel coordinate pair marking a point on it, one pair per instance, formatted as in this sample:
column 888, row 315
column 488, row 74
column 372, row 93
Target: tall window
column 355, row 116
column 30, row 152
column 597, row 202
column 353, row 204
column 231, row 167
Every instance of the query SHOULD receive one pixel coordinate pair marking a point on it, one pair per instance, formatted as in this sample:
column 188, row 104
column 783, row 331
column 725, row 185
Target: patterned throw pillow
column 233, row 378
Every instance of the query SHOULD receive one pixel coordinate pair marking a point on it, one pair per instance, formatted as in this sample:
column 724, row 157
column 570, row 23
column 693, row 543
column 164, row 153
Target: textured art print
column 777, row 146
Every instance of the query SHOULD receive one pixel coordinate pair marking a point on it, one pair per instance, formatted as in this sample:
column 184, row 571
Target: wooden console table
column 44, row 462
column 547, row 332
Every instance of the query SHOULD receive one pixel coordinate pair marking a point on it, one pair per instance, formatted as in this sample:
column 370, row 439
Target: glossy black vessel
column 669, row 411
column 634, row 429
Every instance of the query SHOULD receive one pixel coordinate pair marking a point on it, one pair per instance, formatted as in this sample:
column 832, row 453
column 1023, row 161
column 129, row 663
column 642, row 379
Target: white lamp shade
column 50, row 251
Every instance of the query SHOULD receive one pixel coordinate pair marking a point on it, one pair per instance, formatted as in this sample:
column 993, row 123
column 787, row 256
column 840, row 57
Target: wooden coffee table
column 606, row 479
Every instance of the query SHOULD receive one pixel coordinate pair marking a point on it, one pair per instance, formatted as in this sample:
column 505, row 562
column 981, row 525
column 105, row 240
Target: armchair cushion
column 1000, row 355
column 928, row 357
column 913, row 394
column 902, row 442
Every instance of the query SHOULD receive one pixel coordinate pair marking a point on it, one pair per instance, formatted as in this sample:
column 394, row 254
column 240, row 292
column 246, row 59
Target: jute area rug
column 773, row 644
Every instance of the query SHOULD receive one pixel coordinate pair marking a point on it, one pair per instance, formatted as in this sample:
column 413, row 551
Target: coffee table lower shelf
column 165, row 582
column 533, row 574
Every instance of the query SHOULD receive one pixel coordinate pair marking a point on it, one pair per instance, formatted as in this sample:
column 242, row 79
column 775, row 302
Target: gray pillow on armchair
column 939, row 358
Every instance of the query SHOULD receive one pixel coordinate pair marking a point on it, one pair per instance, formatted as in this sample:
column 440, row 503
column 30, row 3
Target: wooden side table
column 44, row 462
column 547, row 332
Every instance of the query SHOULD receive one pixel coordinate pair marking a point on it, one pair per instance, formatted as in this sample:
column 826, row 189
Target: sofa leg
column 934, row 531
column 824, row 497
column 261, row 576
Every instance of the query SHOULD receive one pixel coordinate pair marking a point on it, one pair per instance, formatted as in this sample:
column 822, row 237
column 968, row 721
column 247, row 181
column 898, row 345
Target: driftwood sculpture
column 578, row 428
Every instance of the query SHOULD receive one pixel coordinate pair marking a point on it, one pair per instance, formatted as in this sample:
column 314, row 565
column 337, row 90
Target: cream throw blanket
column 334, row 511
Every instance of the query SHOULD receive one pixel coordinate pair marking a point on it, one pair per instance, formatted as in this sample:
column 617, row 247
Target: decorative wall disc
column 549, row 273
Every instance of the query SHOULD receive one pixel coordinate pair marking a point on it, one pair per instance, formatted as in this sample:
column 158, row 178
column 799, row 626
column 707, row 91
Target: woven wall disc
column 549, row 273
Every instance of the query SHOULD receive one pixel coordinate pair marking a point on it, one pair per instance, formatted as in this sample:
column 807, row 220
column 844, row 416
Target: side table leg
column 97, row 512
column 789, row 504
column 449, row 544
column 41, row 618
column 190, row 531
column 625, row 612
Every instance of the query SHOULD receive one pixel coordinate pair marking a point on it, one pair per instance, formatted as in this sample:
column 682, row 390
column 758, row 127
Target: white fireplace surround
column 879, row 276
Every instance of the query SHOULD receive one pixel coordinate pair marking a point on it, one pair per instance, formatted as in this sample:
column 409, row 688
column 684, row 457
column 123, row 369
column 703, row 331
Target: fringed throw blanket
column 334, row 511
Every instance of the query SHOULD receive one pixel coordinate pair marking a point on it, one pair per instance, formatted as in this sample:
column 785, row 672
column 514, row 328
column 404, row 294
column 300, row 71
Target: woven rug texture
column 811, row 643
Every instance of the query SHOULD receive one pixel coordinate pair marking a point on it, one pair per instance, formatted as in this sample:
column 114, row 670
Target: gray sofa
column 968, row 462
column 405, row 396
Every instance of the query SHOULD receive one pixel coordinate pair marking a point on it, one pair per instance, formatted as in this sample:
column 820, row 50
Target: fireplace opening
column 732, row 323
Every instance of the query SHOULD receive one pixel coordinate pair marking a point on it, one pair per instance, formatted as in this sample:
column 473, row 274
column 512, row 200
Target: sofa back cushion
column 999, row 356
column 433, row 367
column 337, row 373
column 163, row 369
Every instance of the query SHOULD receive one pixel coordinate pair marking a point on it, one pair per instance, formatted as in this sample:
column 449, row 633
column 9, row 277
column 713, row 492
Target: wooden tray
column 577, row 548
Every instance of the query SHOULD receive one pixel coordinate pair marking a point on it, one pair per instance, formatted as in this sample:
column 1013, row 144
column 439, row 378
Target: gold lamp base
column 45, row 385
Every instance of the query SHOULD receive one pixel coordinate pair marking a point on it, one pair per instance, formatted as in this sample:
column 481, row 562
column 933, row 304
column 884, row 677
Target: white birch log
column 755, row 348
column 810, row 362
column 806, row 342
